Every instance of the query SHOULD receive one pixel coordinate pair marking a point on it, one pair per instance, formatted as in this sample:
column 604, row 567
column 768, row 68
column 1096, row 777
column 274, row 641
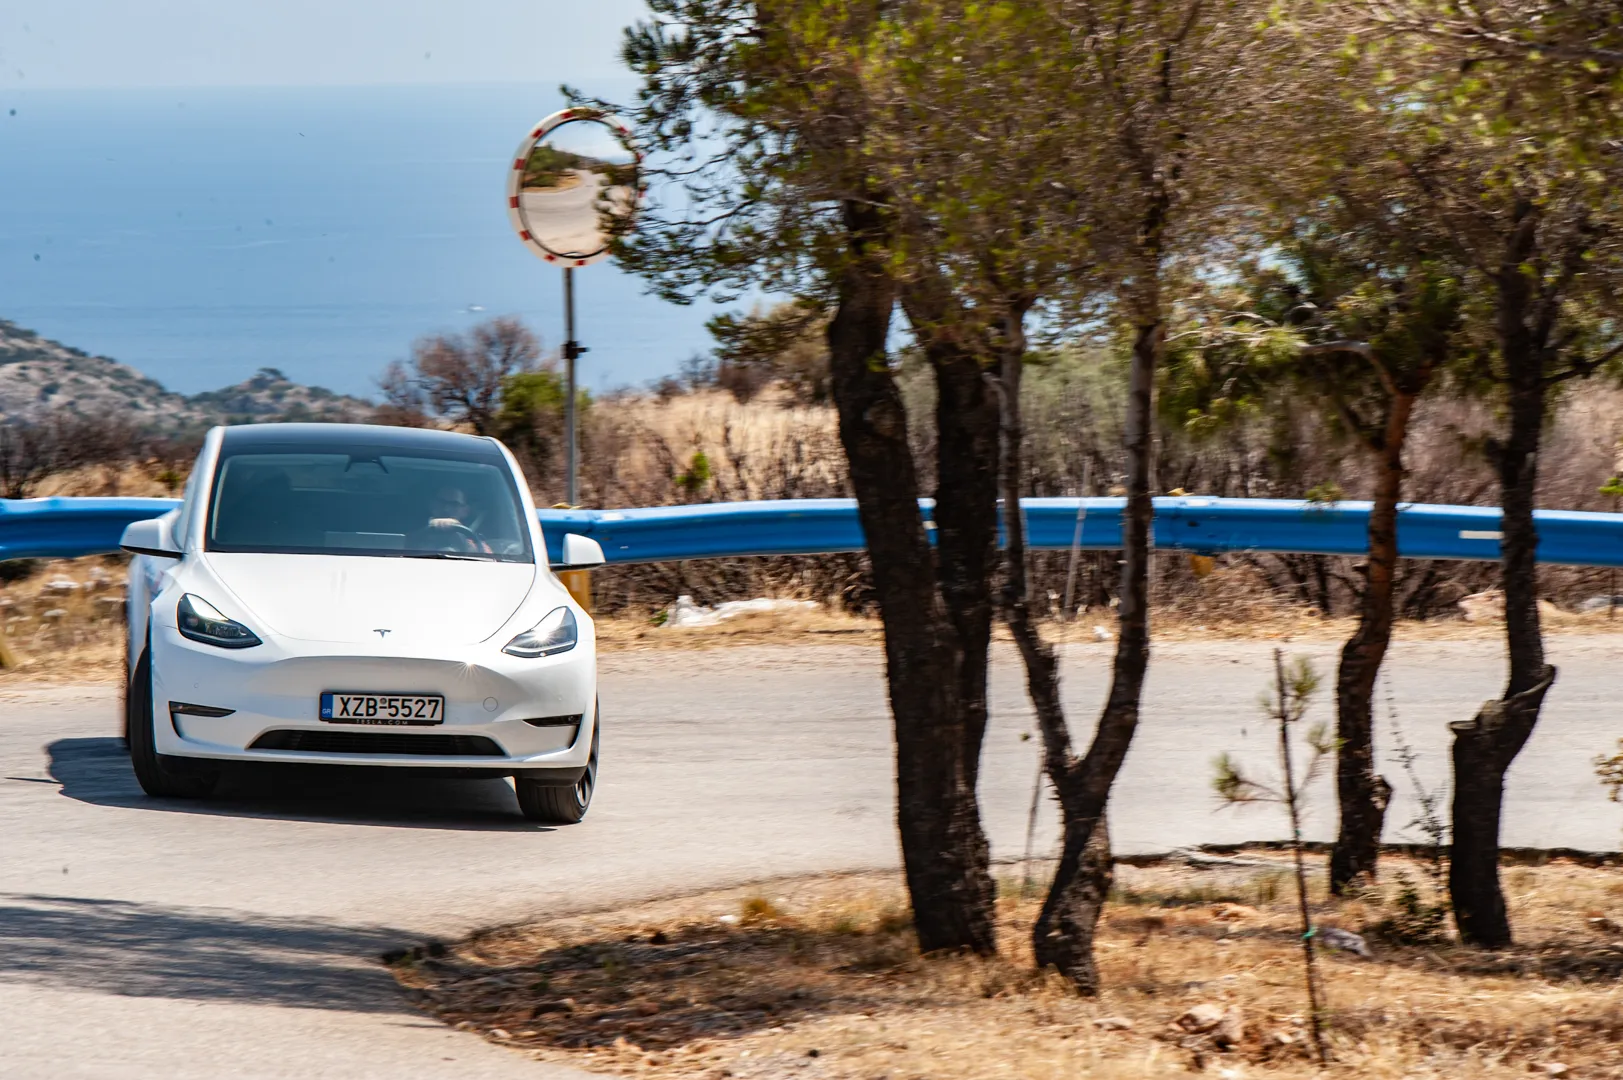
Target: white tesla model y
column 345, row 594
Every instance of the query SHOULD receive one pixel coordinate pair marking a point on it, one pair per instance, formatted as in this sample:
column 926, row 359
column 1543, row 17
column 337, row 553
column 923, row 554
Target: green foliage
column 786, row 344
column 1230, row 356
column 1326, row 494
column 1289, row 698
column 545, row 166
column 1610, row 771
column 530, row 396
column 530, row 418
column 697, row 476
column 1341, row 320
column 1232, row 785
column 738, row 109
column 170, row 477
column 1286, row 702
column 1510, row 70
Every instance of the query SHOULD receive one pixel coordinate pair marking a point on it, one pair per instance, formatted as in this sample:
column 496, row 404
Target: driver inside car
column 449, row 526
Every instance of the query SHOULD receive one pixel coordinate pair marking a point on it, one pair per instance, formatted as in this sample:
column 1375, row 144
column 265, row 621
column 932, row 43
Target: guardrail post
column 579, row 584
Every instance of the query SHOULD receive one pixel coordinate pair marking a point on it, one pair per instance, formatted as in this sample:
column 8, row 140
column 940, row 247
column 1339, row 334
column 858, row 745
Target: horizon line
column 420, row 84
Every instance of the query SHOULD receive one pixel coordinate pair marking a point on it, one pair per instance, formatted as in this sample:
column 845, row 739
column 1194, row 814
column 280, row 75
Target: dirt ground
column 818, row 979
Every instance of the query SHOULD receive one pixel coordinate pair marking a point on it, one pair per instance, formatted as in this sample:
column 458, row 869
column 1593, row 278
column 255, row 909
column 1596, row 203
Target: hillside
column 38, row 375
column 269, row 395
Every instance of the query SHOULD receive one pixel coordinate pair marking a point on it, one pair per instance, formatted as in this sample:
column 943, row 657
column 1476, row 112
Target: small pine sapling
column 1418, row 920
column 1614, row 488
column 1610, row 771
column 1286, row 703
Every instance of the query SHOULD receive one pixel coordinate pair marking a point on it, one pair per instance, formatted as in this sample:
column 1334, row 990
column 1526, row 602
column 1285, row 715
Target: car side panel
column 148, row 575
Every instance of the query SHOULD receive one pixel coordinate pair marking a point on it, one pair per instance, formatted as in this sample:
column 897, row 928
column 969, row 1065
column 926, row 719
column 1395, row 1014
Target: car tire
column 159, row 775
column 551, row 804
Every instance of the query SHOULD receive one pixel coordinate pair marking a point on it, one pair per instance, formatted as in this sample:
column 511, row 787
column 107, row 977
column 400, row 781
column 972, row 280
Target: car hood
column 349, row 598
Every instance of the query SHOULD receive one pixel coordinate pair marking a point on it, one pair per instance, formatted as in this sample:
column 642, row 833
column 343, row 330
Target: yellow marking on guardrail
column 579, row 584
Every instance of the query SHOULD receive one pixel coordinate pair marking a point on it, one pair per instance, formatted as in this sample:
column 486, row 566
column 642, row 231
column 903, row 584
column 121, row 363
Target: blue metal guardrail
column 70, row 527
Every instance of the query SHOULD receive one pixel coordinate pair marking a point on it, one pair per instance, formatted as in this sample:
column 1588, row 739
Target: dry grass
column 65, row 622
column 73, row 635
column 818, row 979
column 821, row 625
column 146, row 479
column 765, row 449
column 825, row 626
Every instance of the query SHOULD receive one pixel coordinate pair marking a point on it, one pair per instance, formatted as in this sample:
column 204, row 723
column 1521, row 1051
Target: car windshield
column 355, row 501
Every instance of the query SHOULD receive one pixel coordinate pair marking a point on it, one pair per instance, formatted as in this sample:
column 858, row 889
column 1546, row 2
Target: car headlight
column 200, row 620
column 554, row 634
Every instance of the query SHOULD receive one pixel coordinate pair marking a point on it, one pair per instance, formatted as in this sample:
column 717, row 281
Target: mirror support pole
column 572, row 351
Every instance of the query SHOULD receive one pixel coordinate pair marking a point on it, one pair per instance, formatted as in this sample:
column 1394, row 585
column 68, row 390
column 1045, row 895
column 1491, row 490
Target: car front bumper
column 275, row 688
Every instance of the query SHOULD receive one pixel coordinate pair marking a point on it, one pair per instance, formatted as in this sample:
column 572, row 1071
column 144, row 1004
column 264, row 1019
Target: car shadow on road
column 154, row 950
column 97, row 770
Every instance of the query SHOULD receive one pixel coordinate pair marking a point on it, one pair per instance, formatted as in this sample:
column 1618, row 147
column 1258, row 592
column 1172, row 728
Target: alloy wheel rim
column 588, row 779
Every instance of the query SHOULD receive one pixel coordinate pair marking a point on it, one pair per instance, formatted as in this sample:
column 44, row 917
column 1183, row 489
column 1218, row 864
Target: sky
column 151, row 285
column 100, row 44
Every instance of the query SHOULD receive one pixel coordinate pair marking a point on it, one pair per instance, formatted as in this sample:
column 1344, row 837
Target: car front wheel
column 555, row 805
column 160, row 775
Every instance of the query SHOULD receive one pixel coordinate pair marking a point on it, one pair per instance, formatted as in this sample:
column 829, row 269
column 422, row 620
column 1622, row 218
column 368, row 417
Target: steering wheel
column 440, row 533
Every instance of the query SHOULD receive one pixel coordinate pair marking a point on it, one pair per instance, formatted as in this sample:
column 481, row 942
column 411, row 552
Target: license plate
column 339, row 707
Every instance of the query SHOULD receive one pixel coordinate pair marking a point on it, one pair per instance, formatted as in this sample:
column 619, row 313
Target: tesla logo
column 381, row 633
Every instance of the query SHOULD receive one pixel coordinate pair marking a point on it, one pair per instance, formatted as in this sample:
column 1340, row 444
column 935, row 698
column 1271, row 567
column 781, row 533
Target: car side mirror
column 149, row 537
column 580, row 553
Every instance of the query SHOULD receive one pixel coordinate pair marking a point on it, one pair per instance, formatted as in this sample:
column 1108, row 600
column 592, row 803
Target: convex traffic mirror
column 571, row 175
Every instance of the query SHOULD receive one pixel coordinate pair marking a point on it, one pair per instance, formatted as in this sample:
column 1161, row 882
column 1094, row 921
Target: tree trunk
column 1518, row 549
column 944, row 852
column 1120, row 718
column 965, row 496
column 1321, row 583
column 1062, row 937
column 1485, row 746
column 1362, row 794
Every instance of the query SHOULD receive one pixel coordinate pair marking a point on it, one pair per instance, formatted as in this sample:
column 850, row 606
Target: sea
column 201, row 234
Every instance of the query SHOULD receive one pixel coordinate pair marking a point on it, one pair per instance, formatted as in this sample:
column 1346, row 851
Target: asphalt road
column 566, row 221
column 141, row 938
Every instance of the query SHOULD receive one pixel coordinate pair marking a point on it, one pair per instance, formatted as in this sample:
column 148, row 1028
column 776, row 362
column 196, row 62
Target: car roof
column 334, row 437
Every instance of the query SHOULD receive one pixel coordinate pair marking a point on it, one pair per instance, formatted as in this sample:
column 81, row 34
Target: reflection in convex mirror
column 576, row 176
